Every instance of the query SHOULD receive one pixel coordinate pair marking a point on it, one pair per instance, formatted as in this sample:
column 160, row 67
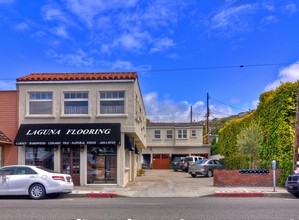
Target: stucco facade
column 168, row 140
column 131, row 119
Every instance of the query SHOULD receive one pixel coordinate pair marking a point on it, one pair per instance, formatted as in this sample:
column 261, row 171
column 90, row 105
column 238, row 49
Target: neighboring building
column 168, row 140
column 8, row 127
column 90, row 125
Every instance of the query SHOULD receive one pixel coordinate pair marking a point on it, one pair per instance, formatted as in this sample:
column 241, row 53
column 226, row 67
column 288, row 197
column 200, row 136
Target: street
column 207, row 208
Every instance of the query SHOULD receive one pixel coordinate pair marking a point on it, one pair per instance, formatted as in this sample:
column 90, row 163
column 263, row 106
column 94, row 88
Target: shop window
column 40, row 103
column 75, row 103
column 182, row 134
column 112, row 102
column 40, row 156
column 101, row 164
column 157, row 134
column 169, row 134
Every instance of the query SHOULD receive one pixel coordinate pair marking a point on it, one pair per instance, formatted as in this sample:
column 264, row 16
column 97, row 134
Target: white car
column 37, row 182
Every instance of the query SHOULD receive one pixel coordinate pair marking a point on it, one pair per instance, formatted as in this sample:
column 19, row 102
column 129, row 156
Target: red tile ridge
column 78, row 76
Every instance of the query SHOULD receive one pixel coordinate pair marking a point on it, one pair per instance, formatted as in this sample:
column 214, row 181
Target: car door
column 20, row 180
column 5, row 174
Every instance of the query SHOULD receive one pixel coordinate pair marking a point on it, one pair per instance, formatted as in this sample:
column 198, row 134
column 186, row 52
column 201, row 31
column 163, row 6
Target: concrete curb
column 227, row 194
column 239, row 194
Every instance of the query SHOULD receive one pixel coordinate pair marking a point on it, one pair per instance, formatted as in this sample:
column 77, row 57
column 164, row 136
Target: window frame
column 40, row 100
column 193, row 133
column 112, row 99
column 169, row 134
column 76, row 99
column 157, row 134
column 182, row 134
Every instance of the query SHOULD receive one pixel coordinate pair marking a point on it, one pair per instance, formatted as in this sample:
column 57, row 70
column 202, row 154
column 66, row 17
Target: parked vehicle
column 205, row 167
column 292, row 184
column 190, row 160
column 36, row 182
column 177, row 163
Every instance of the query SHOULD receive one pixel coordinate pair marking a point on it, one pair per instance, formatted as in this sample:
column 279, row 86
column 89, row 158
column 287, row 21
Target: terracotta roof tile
column 3, row 138
column 78, row 76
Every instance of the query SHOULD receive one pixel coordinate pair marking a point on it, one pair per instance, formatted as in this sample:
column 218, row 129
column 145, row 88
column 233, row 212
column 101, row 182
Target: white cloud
column 123, row 65
column 287, row 74
column 169, row 111
column 162, row 45
column 87, row 10
column 231, row 17
column 78, row 58
column 291, row 8
column 61, row 32
column 22, row 26
column 6, row 1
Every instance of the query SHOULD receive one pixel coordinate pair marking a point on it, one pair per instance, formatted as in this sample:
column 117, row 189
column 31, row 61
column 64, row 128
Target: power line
column 219, row 67
column 228, row 105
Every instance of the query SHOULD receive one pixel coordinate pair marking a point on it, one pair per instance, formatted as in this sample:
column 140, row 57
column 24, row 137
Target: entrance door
column 102, row 164
column 71, row 162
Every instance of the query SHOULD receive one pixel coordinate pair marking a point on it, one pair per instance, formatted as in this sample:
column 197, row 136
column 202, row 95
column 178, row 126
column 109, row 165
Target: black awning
column 129, row 144
column 137, row 150
column 68, row 134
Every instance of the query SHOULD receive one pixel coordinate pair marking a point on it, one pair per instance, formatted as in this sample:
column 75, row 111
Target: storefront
column 81, row 150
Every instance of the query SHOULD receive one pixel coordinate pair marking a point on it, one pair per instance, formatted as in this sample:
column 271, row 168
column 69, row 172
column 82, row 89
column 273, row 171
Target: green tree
column 249, row 143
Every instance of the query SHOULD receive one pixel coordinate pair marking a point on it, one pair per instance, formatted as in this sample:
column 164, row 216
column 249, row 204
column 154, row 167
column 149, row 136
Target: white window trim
column 28, row 100
column 193, row 136
column 157, row 138
column 168, row 138
column 63, row 115
column 99, row 115
column 182, row 134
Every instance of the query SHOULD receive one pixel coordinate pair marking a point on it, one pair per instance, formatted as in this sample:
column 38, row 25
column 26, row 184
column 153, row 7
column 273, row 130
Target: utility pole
column 191, row 114
column 208, row 115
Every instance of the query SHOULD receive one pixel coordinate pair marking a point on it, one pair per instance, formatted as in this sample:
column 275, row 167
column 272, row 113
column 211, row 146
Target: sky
column 187, row 53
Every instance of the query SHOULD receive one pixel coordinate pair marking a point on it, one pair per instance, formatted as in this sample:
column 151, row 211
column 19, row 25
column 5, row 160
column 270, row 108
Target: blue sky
column 181, row 49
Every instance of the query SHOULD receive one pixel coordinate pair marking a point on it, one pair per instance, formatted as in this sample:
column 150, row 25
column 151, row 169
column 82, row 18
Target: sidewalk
column 166, row 183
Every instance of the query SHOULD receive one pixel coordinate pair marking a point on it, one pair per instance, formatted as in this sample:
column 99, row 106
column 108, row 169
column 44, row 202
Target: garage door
column 161, row 161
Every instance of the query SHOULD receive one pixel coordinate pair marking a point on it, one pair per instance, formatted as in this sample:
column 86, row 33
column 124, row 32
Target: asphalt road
column 151, row 208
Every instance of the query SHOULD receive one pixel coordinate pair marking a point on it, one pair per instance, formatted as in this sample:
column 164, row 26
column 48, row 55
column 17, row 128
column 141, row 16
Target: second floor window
column 193, row 133
column 169, row 134
column 75, row 103
column 112, row 102
column 157, row 134
column 40, row 103
column 182, row 134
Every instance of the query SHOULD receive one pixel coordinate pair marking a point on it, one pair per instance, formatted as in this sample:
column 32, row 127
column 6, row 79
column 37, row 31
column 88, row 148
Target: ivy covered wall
column 275, row 116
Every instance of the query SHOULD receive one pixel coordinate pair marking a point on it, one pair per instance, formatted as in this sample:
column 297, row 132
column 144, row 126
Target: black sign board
column 68, row 134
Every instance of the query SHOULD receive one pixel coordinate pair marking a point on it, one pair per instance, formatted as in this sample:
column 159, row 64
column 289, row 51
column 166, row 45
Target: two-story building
column 168, row 140
column 90, row 125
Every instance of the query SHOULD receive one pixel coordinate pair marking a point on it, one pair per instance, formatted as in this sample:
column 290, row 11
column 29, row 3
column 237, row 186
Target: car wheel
column 209, row 173
column 37, row 191
column 193, row 175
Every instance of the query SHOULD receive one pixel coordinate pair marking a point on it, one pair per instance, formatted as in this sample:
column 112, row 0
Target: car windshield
column 176, row 159
column 201, row 161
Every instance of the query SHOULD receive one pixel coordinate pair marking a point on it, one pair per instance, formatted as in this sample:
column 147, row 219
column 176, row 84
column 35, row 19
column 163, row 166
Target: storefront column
column 57, row 164
column 121, row 162
column 21, row 155
column 83, row 166
column 132, row 166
